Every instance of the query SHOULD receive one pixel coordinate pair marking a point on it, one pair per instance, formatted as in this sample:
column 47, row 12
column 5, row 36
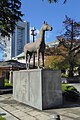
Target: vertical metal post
column 33, row 34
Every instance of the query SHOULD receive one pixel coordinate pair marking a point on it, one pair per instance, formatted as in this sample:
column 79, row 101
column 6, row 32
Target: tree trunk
column 71, row 69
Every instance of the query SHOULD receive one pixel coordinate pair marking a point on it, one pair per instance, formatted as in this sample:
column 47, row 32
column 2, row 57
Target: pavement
column 14, row 110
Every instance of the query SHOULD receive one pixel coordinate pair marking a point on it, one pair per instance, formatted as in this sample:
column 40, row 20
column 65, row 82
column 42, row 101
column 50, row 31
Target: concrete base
column 39, row 88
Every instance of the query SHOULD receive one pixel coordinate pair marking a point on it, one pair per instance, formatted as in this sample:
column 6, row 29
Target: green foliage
column 66, row 87
column 54, row 62
column 54, row 65
column 56, row 58
column 55, row 1
column 9, row 14
column 77, row 60
column 70, row 93
column 1, row 118
column 64, row 75
column 6, row 83
column 69, row 41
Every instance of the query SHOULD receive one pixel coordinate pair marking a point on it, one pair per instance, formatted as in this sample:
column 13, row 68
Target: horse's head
column 46, row 27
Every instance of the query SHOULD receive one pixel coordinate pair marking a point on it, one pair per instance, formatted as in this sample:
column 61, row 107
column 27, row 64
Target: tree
column 51, row 1
column 56, row 50
column 56, row 57
column 55, row 62
column 70, row 39
column 9, row 14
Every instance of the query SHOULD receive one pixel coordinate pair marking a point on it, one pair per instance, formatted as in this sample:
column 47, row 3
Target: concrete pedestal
column 39, row 88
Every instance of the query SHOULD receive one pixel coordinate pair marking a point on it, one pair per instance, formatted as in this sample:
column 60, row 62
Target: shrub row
column 70, row 93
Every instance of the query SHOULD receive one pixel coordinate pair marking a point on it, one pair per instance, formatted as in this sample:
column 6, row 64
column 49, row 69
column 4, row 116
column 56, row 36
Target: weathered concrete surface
column 39, row 88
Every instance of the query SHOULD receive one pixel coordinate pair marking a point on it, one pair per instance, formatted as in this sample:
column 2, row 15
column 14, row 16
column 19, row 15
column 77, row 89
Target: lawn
column 2, row 118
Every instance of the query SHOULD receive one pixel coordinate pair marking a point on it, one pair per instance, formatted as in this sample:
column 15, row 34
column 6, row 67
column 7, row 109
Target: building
column 54, row 43
column 7, row 68
column 19, row 38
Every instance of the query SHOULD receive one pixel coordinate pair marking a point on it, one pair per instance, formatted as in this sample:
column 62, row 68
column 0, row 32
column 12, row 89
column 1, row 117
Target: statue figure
column 38, row 45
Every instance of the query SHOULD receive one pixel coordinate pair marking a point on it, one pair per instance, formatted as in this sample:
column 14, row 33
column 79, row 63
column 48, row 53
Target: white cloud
column 48, row 34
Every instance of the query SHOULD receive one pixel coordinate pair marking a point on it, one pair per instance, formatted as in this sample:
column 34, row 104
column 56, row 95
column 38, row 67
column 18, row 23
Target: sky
column 1, row 55
column 38, row 11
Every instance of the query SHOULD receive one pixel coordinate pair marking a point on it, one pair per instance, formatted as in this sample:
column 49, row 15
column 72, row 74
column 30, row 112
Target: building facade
column 54, row 43
column 19, row 38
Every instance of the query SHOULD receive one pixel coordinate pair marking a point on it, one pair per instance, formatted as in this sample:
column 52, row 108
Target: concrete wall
column 38, row 88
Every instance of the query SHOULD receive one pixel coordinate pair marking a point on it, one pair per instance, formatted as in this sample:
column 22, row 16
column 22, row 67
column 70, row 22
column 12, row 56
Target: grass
column 2, row 118
column 70, row 93
column 6, row 83
column 66, row 87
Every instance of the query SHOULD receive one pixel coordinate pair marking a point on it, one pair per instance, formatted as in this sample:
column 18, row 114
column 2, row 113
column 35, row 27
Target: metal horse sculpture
column 38, row 45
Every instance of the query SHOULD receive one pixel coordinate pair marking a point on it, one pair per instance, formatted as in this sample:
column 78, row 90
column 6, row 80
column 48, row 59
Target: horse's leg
column 38, row 55
column 42, row 59
column 26, row 59
column 29, row 58
column 28, row 65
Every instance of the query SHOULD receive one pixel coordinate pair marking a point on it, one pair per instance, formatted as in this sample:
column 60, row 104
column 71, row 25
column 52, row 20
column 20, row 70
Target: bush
column 64, row 75
column 70, row 93
column 68, row 87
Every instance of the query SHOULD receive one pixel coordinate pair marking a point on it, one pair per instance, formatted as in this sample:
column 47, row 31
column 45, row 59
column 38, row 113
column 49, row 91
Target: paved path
column 17, row 111
column 7, row 115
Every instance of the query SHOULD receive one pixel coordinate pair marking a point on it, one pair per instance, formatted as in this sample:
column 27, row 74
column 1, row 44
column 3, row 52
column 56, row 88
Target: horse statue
column 37, row 46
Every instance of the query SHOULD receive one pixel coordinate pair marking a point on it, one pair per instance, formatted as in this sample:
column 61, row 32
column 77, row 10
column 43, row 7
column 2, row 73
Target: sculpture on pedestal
column 38, row 45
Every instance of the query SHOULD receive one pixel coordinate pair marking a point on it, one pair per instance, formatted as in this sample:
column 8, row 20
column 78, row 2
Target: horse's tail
column 25, row 49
